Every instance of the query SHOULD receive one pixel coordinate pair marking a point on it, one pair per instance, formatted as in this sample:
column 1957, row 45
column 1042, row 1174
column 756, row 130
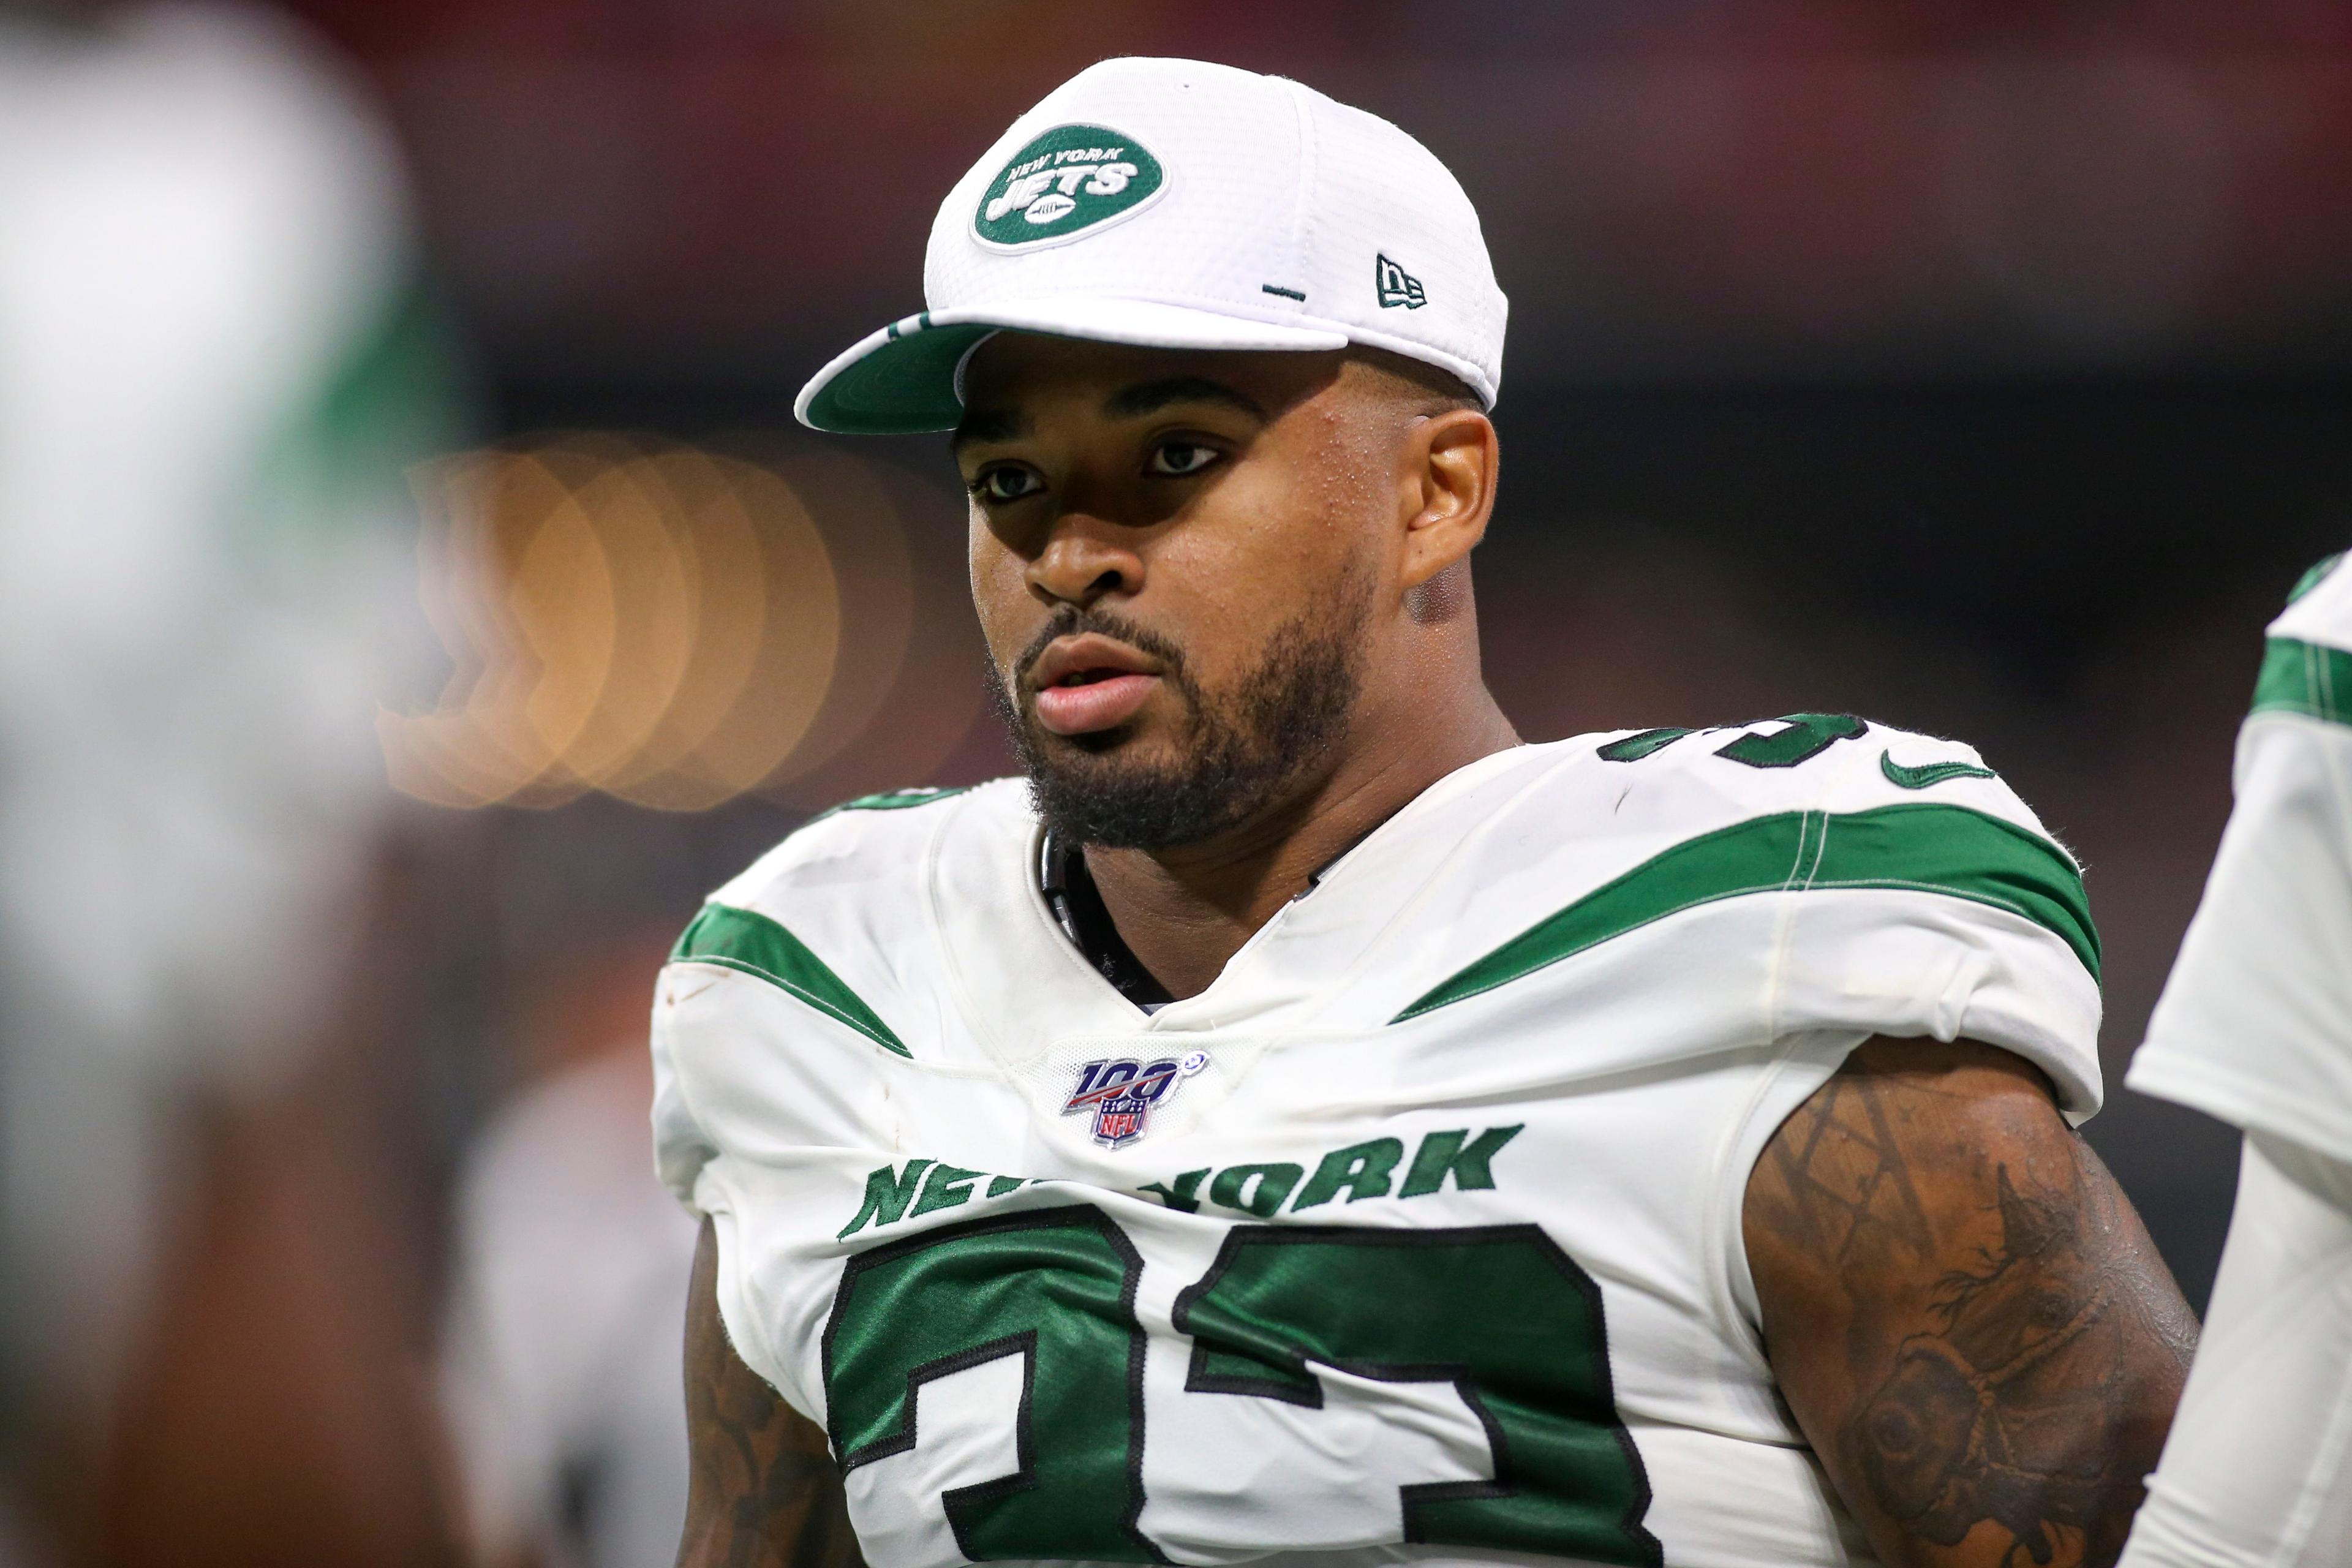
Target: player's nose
column 1082, row 564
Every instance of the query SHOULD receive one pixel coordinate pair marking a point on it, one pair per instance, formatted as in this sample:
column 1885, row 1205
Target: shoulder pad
column 874, row 833
column 1837, row 762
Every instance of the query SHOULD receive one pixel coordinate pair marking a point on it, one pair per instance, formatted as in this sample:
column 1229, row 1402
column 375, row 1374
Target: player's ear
column 1447, row 489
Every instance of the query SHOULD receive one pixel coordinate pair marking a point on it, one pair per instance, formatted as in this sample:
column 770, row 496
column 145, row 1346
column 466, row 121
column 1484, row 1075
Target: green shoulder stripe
column 2304, row 677
column 1930, row 847
column 754, row 944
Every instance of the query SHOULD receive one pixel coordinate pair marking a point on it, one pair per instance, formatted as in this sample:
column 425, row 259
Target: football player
column 2255, row 1028
column 1300, row 1118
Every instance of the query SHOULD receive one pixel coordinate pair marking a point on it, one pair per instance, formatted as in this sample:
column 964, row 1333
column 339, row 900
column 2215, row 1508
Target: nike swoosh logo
column 1927, row 774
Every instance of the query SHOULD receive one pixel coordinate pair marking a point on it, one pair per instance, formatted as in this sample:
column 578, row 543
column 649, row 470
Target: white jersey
column 2255, row 1023
column 1416, row 1235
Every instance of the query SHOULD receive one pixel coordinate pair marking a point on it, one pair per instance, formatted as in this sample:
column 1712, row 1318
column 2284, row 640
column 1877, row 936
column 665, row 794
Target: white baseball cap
column 1174, row 203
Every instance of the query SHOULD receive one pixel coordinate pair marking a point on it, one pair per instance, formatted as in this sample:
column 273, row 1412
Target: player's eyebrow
column 1151, row 397
column 988, row 425
column 994, row 424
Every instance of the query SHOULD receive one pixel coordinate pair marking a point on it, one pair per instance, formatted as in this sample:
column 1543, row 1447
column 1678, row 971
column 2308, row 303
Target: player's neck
column 1185, row 911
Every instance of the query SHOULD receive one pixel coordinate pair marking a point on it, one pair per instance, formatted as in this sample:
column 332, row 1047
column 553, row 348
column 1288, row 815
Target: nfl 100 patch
column 1064, row 182
column 1119, row 1092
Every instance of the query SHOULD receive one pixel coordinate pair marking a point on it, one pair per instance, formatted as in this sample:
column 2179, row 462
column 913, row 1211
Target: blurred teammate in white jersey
column 213, row 372
column 2255, row 1028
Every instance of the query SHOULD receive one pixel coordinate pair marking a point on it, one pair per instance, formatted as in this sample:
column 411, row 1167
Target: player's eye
column 1178, row 459
column 1003, row 482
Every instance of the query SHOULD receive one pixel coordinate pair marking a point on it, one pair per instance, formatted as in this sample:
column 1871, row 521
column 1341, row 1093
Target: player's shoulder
column 872, row 850
column 796, row 975
column 1815, row 871
column 1840, row 764
column 832, row 914
column 1806, row 802
column 2307, row 656
column 823, row 951
column 2319, row 606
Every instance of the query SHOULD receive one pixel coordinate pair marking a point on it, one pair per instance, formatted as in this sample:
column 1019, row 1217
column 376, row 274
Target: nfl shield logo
column 1119, row 1093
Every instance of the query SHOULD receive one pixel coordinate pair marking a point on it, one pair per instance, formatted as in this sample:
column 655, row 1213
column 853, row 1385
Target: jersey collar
column 1020, row 974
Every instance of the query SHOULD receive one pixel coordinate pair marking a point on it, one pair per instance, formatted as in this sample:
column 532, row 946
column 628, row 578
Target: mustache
column 1069, row 621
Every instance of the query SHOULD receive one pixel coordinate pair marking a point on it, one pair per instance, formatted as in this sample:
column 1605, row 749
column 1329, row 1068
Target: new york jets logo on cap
column 1070, row 179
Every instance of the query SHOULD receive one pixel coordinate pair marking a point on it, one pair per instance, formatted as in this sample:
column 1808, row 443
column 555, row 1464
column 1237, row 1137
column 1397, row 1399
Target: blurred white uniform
column 2255, row 1028
column 564, row 1366
column 211, row 381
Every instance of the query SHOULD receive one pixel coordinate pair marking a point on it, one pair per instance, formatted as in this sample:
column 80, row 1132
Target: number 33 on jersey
column 1415, row 1235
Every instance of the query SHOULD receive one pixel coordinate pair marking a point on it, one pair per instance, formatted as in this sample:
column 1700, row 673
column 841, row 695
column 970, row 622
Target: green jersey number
column 1057, row 1288
column 1498, row 1311
column 1803, row 737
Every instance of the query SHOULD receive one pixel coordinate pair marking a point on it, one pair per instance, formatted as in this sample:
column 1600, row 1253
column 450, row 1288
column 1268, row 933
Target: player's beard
column 1247, row 747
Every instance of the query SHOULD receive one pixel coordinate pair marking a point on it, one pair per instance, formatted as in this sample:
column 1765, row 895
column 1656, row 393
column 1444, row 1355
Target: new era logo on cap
column 1179, row 205
column 1397, row 285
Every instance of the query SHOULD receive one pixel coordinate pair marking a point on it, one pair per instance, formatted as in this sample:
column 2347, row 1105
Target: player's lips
column 1089, row 682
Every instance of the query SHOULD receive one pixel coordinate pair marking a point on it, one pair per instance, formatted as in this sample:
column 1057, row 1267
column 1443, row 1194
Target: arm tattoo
column 1963, row 1312
column 764, row 1491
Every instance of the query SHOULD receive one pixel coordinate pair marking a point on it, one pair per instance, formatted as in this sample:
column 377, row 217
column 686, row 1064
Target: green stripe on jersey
column 1927, row 847
column 2304, row 677
column 2316, row 576
column 754, row 944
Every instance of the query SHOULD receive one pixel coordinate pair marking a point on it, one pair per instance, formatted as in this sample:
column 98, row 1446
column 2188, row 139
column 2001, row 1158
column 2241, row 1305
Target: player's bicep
column 762, row 1491
column 1963, row 1312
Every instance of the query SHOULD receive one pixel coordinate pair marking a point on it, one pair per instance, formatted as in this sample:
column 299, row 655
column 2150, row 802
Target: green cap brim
column 899, row 382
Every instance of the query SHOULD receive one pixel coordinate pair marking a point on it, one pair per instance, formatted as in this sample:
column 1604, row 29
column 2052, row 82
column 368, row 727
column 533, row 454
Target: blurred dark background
column 1984, row 368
